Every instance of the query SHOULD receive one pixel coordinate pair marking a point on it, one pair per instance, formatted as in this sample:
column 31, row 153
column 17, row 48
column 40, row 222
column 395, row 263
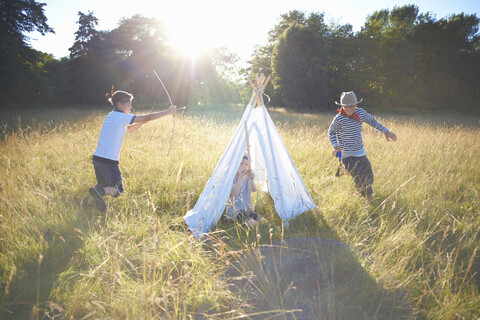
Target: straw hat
column 348, row 99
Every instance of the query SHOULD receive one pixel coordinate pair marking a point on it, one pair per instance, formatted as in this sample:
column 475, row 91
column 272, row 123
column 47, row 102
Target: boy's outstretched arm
column 156, row 115
column 135, row 126
column 390, row 136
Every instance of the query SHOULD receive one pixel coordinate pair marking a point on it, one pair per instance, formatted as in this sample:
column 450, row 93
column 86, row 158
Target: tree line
column 400, row 60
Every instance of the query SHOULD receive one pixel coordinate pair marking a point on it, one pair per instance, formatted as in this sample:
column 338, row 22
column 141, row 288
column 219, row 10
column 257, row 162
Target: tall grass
column 60, row 258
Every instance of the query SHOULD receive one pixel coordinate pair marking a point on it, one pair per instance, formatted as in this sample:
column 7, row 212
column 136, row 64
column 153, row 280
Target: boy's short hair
column 118, row 96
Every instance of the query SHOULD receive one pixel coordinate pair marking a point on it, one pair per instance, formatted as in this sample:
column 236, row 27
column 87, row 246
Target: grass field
column 413, row 253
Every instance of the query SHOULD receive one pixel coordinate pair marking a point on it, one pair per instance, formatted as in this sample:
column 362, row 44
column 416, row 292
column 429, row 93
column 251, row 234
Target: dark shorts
column 361, row 171
column 241, row 217
column 108, row 175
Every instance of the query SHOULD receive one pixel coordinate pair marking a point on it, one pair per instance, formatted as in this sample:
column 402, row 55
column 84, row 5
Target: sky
column 197, row 25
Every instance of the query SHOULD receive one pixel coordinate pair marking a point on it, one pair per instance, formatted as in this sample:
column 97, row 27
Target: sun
column 193, row 32
column 190, row 39
column 198, row 27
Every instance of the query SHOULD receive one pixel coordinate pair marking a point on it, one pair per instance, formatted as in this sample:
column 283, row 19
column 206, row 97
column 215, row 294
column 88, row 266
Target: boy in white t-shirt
column 106, row 157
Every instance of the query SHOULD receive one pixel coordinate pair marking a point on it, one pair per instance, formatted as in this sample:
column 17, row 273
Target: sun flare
column 189, row 40
column 193, row 32
column 197, row 27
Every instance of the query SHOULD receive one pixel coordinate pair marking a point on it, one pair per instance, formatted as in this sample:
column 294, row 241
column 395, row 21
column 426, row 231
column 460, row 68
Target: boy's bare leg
column 111, row 191
column 96, row 198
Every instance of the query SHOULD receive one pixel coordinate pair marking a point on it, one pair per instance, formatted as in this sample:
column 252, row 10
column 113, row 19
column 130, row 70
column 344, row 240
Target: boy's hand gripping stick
column 340, row 165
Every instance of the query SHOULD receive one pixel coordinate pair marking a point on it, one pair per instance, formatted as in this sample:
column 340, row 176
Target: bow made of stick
column 171, row 104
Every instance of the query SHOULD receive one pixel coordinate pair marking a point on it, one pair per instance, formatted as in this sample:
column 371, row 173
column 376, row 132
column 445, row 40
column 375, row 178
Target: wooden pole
column 254, row 94
column 249, row 185
column 258, row 86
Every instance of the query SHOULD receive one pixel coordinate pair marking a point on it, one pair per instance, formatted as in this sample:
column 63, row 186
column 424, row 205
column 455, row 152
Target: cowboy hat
column 348, row 99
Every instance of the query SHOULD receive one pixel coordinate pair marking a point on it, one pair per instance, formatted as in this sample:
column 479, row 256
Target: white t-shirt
column 112, row 135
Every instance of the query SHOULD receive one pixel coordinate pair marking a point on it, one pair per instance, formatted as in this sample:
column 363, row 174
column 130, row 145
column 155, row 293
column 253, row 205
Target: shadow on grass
column 311, row 278
column 304, row 273
column 28, row 294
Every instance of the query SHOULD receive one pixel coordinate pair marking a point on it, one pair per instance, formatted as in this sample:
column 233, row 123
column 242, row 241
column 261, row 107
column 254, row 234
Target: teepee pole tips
column 258, row 85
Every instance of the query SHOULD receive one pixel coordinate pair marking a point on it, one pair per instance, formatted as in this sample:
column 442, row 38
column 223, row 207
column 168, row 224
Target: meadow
column 413, row 253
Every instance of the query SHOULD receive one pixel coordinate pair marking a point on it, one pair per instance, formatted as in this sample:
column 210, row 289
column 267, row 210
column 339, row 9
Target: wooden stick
column 262, row 78
column 254, row 92
column 251, row 83
column 255, row 87
column 264, row 85
column 266, row 82
column 259, row 91
column 251, row 99
column 258, row 86
column 249, row 185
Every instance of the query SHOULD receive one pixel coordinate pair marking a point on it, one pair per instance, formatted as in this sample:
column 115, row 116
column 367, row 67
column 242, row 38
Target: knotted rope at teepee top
column 258, row 88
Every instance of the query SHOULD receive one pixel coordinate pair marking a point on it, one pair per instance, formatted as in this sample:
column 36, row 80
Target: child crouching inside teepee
column 239, row 206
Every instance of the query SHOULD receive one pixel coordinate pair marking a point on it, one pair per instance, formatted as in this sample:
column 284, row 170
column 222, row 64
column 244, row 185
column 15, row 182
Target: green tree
column 57, row 75
column 84, row 35
column 87, row 74
column 230, row 75
column 448, row 65
column 226, row 65
column 140, row 46
column 299, row 68
column 387, row 64
column 22, row 67
column 262, row 58
column 343, row 62
column 205, row 85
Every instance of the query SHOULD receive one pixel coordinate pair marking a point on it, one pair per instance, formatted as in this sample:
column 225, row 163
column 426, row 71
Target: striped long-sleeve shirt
column 346, row 132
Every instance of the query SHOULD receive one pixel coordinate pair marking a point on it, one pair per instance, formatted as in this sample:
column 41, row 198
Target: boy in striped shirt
column 345, row 134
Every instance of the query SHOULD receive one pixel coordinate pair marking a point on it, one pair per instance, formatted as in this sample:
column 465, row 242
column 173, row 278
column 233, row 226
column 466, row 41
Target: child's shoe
column 371, row 199
column 227, row 219
column 99, row 202
column 260, row 218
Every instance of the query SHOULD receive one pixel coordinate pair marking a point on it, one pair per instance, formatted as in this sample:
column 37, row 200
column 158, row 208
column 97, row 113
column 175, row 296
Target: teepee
column 274, row 169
